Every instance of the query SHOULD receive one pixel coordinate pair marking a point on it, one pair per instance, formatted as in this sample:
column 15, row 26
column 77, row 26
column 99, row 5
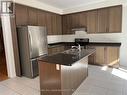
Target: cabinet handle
column 57, row 67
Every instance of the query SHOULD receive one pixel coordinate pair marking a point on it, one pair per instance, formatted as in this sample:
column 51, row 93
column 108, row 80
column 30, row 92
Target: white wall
column 8, row 45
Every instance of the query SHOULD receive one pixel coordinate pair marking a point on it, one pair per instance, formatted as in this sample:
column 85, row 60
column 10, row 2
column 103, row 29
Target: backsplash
column 112, row 37
column 54, row 38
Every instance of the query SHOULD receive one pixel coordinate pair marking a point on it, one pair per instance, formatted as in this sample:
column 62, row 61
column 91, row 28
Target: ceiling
column 65, row 4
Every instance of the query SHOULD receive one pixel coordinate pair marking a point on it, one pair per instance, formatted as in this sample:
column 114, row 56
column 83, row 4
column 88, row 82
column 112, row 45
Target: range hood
column 79, row 29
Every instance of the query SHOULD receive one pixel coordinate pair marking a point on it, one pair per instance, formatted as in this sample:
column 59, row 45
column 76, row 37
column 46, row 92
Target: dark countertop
column 117, row 44
column 67, row 57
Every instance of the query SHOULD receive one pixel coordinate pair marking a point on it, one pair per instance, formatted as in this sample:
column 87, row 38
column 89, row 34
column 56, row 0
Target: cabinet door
column 67, row 24
column 21, row 15
column 52, row 50
column 92, row 21
column 82, row 19
column 32, row 16
column 54, row 24
column 56, row 49
column 115, row 19
column 112, row 54
column 91, row 59
column 50, row 76
column 100, row 55
column 103, row 20
column 41, row 18
column 49, row 51
column 59, row 24
column 60, row 49
column 49, row 23
column 75, row 20
column 78, row 20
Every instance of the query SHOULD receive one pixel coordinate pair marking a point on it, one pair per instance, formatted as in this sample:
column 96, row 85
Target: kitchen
column 103, row 24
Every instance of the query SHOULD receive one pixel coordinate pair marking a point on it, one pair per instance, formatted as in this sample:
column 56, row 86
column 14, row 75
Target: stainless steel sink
column 72, row 51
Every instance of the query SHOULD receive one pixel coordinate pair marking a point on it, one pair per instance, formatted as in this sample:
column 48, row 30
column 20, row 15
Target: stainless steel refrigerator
column 32, row 42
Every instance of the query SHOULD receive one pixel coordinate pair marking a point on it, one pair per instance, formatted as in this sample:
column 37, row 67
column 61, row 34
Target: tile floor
column 99, row 82
column 103, row 82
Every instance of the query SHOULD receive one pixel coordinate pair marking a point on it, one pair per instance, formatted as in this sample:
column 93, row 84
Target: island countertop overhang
column 67, row 58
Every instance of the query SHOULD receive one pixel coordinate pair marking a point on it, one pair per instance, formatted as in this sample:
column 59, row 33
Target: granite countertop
column 116, row 44
column 67, row 57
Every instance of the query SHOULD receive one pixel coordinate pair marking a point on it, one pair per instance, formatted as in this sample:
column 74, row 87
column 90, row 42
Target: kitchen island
column 62, row 73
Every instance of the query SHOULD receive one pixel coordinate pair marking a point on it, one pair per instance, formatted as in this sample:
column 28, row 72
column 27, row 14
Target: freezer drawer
column 34, row 68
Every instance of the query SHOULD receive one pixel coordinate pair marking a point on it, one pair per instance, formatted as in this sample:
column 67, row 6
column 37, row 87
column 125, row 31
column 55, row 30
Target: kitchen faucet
column 77, row 47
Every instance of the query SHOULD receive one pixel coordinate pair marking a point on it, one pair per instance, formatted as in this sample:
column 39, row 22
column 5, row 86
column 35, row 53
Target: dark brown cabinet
column 41, row 16
column 54, row 24
column 105, row 55
column 67, row 24
column 59, row 24
column 21, row 14
column 64, row 80
column 115, row 19
column 56, row 49
column 112, row 56
column 70, row 21
column 32, row 16
column 76, row 20
column 92, row 21
column 83, row 19
column 103, row 20
column 49, row 23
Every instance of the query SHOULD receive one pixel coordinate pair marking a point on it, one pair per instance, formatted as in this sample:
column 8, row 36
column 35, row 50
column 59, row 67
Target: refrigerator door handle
column 30, row 39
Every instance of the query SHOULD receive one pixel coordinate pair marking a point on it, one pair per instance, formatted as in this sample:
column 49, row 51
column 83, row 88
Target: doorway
column 3, row 66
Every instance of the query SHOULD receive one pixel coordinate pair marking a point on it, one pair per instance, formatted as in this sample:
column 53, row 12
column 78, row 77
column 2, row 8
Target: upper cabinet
column 32, row 16
column 92, row 21
column 56, row 24
column 59, row 24
column 21, row 15
column 76, row 20
column 66, row 24
column 102, row 20
column 41, row 18
column 83, row 19
column 49, row 23
column 105, row 20
column 115, row 19
column 53, row 24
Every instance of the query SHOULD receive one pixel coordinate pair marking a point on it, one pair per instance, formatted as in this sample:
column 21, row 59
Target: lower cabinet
column 112, row 56
column 55, row 49
column 105, row 55
column 58, row 79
